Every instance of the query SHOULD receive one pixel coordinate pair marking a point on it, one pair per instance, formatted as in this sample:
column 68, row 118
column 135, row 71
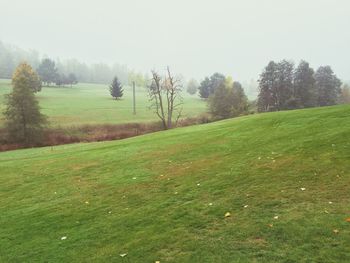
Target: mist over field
column 174, row 131
column 195, row 38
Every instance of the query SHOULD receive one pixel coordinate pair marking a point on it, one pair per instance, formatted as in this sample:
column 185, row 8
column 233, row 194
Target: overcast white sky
column 196, row 38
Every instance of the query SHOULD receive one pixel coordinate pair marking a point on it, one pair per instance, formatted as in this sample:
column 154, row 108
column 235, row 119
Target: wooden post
column 134, row 99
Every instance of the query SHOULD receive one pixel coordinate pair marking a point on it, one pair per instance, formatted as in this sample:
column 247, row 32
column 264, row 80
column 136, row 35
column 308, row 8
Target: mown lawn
column 284, row 178
column 92, row 104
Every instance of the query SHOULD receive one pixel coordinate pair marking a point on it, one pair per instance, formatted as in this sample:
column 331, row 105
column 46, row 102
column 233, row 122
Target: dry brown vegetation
column 96, row 133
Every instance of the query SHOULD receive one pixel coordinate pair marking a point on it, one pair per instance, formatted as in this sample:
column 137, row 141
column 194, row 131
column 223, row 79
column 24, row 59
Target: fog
column 195, row 38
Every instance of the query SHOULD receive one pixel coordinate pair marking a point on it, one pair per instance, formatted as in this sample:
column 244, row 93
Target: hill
column 92, row 104
column 283, row 177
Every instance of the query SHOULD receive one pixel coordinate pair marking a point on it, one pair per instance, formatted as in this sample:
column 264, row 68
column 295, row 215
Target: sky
column 195, row 38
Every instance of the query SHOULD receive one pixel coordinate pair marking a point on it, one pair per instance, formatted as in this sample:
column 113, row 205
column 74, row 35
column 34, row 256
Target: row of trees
column 12, row 56
column 49, row 73
column 283, row 87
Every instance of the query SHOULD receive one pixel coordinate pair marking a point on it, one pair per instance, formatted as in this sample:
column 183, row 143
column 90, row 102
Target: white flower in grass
column 302, row 189
column 275, row 217
column 63, row 238
column 245, row 206
column 123, row 255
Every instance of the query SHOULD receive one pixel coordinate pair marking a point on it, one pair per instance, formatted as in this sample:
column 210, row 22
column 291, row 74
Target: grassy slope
column 92, row 104
column 261, row 161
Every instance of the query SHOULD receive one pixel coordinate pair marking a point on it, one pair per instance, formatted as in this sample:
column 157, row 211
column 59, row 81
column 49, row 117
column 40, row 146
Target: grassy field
column 92, row 104
column 283, row 177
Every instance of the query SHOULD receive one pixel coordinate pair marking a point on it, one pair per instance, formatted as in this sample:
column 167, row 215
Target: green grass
column 92, row 104
column 150, row 196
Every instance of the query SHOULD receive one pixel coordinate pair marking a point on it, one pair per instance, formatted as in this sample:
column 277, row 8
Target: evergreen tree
column 24, row 122
column 116, row 89
column 327, row 86
column 304, row 91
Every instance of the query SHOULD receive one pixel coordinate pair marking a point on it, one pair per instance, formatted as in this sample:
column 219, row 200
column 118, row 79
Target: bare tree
column 165, row 95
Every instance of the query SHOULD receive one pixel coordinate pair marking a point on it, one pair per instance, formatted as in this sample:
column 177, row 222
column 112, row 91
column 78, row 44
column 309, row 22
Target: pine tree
column 24, row 122
column 116, row 89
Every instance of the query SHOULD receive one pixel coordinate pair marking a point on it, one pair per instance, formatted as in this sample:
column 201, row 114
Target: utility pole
column 133, row 96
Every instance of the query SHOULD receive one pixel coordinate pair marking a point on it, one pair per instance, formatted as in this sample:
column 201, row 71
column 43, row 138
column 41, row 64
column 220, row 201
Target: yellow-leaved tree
column 24, row 122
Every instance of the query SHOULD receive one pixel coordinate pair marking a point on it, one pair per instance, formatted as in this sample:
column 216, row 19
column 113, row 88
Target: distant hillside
column 263, row 188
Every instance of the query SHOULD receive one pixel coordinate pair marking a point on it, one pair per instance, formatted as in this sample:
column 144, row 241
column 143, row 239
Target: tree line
column 12, row 56
column 282, row 86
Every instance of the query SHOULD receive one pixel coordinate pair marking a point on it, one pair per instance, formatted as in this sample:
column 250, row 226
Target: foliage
column 328, row 86
column 304, row 86
column 228, row 100
column 141, row 80
column 204, row 88
column 192, row 87
column 62, row 79
column 116, row 89
column 11, row 56
column 282, row 87
column 209, row 85
column 47, row 71
column 24, row 122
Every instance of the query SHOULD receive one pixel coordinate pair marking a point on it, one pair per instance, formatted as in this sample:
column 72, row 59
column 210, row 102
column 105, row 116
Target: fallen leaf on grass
column 275, row 217
column 302, row 189
column 336, row 231
column 228, row 214
column 87, row 202
column 245, row 206
column 63, row 238
column 123, row 255
column 347, row 220
column 270, row 225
